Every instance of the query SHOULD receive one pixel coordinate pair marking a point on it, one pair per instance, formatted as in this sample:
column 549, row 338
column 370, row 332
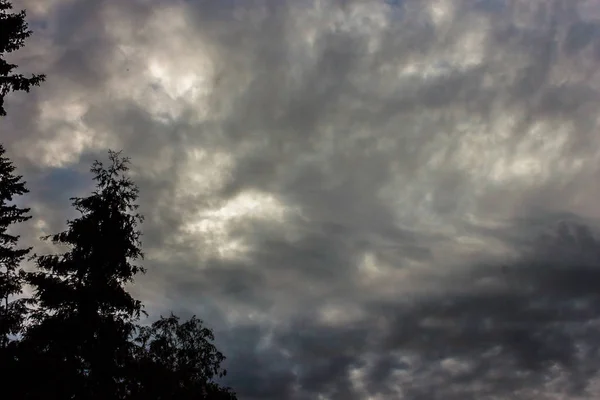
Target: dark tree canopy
column 11, row 279
column 84, row 317
column 178, row 361
column 13, row 32
column 84, row 332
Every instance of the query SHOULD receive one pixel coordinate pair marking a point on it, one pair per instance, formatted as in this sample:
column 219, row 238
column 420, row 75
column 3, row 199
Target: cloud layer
column 365, row 199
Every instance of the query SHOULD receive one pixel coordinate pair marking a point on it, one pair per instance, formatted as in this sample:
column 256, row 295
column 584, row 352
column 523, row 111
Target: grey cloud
column 413, row 161
column 509, row 337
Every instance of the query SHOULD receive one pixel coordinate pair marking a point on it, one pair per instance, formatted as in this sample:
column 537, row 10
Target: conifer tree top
column 11, row 256
column 13, row 32
column 103, row 243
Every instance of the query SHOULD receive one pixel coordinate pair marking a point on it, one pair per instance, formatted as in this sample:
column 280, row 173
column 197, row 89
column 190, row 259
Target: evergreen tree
column 11, row 279
column 84, row 317
column 13, row 32
column 178, row 361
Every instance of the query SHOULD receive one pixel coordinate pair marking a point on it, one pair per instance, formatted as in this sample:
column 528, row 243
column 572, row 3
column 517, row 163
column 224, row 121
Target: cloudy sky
column 365, row 199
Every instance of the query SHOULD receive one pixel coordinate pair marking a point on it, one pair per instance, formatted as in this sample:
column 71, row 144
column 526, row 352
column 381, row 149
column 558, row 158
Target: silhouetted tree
column 178, row 361
column 12, row 313
column 84, row 318
column 13, row 32
column 83, row 341
column 80, row 343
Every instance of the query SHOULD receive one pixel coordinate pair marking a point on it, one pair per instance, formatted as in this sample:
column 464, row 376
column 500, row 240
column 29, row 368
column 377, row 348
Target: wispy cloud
column 366, row 199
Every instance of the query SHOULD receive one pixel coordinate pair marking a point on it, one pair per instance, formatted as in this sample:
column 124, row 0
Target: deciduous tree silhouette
column 84, row 317
column 13, row 32
column 178, row 361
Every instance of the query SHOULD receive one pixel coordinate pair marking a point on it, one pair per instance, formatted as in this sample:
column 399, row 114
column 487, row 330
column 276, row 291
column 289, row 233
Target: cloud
column 365, row 199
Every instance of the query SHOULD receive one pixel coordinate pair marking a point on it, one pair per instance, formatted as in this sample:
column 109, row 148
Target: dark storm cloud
column 503, row 327
column 364, row 198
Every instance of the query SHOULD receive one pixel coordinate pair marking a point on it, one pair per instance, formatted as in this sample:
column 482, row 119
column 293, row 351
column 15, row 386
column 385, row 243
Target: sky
column 365, row 200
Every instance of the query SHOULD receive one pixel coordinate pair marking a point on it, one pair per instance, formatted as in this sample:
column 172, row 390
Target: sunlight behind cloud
column 340, row 314
column 204, row 173
column 441, row 11
column 214, row 226
column 250, row 204
column 178, row 73
column 72, row 135
column 188, row 84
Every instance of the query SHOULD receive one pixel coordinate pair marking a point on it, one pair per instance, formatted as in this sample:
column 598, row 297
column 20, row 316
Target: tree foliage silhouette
column 13, row 32
column 178, row 361
column 84, row 333
column 11, row 279
column 84, row 317
column 83, row 340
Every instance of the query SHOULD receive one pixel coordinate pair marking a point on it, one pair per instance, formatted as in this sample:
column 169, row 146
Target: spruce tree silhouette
column 12, row 312
column 84, row 340
column 84, row 318
column 13, row 32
